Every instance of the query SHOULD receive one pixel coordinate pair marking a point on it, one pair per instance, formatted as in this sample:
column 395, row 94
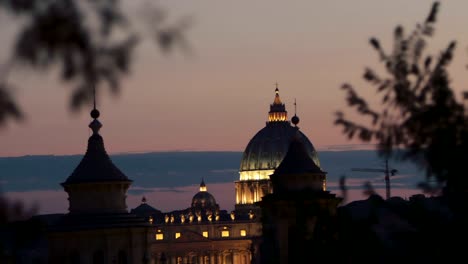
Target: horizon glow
column 218, row 97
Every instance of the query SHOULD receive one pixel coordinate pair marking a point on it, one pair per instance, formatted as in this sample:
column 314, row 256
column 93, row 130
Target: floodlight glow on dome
column 265, row 151
column 277, row 116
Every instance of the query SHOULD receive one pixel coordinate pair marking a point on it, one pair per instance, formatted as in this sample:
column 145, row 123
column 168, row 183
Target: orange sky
column 218, row 97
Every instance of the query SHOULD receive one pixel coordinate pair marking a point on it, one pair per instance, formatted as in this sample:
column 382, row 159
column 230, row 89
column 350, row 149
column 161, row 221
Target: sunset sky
column 216, row 97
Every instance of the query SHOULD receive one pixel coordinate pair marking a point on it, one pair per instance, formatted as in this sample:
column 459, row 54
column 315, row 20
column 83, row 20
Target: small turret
column 96, row 185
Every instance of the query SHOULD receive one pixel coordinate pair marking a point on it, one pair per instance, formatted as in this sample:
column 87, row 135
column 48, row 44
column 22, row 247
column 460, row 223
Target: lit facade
column 264, row 153
column 99, row 228
column 202, row 233
column 220, row 242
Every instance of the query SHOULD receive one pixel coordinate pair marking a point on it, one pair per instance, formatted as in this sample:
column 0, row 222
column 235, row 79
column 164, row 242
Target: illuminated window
column 225, row 233
column 159, row 236
column 205, row 233
column 177, row 235
column 243, row 232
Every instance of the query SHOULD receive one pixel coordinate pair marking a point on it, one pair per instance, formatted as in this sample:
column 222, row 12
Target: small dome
column 204, row 199
column 145, row 209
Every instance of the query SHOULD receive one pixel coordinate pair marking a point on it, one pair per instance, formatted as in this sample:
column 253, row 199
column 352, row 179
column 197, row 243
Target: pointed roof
column 96, row 165
column 297, row 160
column 203, row 186
column 277, row 105
column 277, row 100
column 278, row 111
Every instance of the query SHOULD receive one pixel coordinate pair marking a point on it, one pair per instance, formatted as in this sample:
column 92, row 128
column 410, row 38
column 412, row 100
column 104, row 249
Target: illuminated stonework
column 225, row 242
column 255, row 175
column 264, row 153
column 277, row 116
column 250, row 192
column 277, row 110
column 203, row 186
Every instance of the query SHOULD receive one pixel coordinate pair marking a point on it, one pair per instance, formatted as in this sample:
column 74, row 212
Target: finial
column 295, row 118
column 143, row 200
column 95, row 125
column 277, row 99
column 295, row 106
column 94, row 112
column 202, row 186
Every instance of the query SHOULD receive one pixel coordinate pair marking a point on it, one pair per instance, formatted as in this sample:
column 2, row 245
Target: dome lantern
column 202, row 186
column 278, row 111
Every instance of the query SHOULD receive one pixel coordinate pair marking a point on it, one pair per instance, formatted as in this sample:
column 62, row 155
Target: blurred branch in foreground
column 419, row 114
column 90, row 42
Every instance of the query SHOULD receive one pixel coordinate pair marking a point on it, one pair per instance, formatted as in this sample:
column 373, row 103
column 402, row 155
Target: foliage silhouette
column 420, row 113
column 90, row 42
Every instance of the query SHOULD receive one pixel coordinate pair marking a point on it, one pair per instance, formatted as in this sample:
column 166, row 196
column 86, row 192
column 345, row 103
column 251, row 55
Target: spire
column 277, row 109
column 143, row 200
column 295, row 118
column 96, row 165
column 96, row 185
column 95, row 125
column 202, row 186
column 277, row 100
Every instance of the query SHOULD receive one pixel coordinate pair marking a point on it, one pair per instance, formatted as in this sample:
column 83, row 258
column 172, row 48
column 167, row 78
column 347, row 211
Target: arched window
column 98, row 257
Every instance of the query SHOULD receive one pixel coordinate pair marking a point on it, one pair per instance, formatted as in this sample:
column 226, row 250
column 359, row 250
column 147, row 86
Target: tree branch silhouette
column 420, row 115
column 92, row 43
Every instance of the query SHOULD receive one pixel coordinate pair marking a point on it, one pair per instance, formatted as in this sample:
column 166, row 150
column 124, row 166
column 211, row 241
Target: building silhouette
column 282, row 208
column 98, row 227
column 299, row 218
